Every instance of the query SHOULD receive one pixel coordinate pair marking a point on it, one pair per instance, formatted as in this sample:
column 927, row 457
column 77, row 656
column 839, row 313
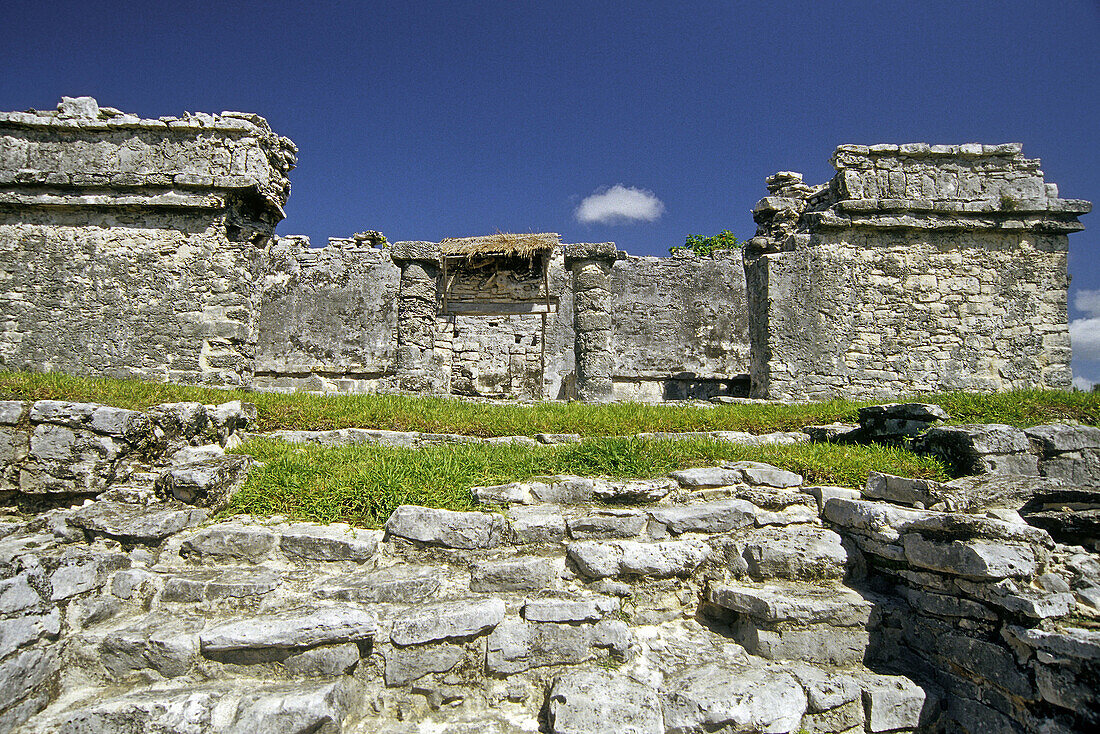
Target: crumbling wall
column 680, row 325
column 917, row 268
column 129, row 245
column 327, row 317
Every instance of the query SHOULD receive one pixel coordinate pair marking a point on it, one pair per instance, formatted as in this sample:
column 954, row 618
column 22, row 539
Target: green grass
column 363, row 484
column 445, row 415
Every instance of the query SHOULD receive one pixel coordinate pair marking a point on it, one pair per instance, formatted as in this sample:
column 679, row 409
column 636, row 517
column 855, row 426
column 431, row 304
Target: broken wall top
column 919, row 186
column 84, row 154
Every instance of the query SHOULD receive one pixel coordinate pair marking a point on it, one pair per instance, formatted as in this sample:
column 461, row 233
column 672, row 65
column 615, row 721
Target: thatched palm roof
column 501, row 243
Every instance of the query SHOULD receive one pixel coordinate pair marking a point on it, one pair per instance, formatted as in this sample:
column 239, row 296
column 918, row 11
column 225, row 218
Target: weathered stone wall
column 327, row 317
column 682, row 317
column 129, row 245
column 916, row 268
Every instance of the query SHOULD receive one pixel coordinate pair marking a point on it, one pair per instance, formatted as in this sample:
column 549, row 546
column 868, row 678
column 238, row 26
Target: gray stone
column 519, row 493
column 207, row 483
column 632, row 490
column 1060, row 437
column 607, row 524
column 597, row 559
column 515, row 646
column 136, row 523
column 877, row 520
column 976, row 559
column 323, row 626
column 826, row 690
column 805, row 553
column 448, row 620
column 18, row 595
column 707, row 477
column 22, row 631
column 539, row 524
column 825, row 493
column 398, row 585
column 467, row 530
column 184, row 422
column 407, row 664
column 174, row 710
column 903, row 490
column 515, row 574
column 892, row 702
column 564, row 489
column 299, row 709
column 603, row 702
column 324, row 662
column 226, row 542
column 565, row 609
column 166, row 643
column 797, row 603
column 757, row 474
column 335, row 542
column 220, row 583
column 11, row 411
column 558, row 438
column 714, row 697
column 707, row 517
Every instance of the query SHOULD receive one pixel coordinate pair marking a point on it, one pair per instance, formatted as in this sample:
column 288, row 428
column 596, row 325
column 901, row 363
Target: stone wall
column 129, row 245
column 144, row 248
column 916, row 268
column 326, row 317
column 680, row 326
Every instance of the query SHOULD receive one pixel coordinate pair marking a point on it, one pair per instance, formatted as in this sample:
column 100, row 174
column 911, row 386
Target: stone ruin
column 736, row 598
column 730, row 598
column 146, row 248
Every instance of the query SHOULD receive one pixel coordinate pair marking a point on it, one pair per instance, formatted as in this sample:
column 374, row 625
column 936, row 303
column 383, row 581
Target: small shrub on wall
column 700, row 245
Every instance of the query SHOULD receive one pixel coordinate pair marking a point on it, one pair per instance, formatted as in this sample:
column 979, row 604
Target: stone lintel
column 591, row 251
column 415, row 251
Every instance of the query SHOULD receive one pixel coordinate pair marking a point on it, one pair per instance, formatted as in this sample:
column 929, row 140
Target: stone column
column 418, row 367
column 595, row 362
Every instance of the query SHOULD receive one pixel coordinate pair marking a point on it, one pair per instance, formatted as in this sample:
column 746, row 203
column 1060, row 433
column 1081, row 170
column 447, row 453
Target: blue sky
column 433, row 119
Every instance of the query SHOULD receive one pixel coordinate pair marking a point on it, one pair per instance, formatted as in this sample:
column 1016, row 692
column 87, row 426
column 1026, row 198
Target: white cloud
column 1088, row 301
column 1084, row 335
column 619, row 205
column 1083, row 383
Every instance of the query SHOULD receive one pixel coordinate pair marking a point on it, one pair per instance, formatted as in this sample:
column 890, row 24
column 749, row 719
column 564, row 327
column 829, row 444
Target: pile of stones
column 731, row 598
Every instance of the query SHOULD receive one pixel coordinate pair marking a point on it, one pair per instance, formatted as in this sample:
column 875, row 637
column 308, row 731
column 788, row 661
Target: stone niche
column 129, row 245
column 917, row 268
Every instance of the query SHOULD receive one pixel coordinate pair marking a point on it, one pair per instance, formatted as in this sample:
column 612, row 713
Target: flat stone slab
column 136, row 522
column 716, row 697
column 229, row 542
column 892, row 702
column 603, row 702
column 399, row 585
column 465, row 530
column 798, row 603
column 447, row 620
column 335, row 542
column 596, row 559
column 564, row 609
column 707, row 517
column 519, row 573
column 322, row 626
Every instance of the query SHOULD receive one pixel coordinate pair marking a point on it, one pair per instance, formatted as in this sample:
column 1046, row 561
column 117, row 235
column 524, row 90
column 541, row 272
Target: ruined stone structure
column 145, row 248
column 732, row 598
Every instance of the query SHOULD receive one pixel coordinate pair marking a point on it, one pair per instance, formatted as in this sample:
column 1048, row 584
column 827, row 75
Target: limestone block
column 450, row 620
column 446, row 528
column 398, row 585
column 707, row 517
column 537, row 524
column 324, row 662
column 607, row 524
column 741, row 699
column 135, row 522
column 515, row 646
column 207, row 483
column 301, row 707
column 603, row 702
column 225, row 542
column 515, row 574
column 165, row 643
column 566, row 609
column 596, row 559
column 973, row 559
column 285, row 630
column 334, row 542
column 407, row 664
column 22, row 631
column 892, row 702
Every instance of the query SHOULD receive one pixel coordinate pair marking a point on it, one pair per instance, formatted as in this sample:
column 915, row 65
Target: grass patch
column 447, row 415
column 363, row 484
